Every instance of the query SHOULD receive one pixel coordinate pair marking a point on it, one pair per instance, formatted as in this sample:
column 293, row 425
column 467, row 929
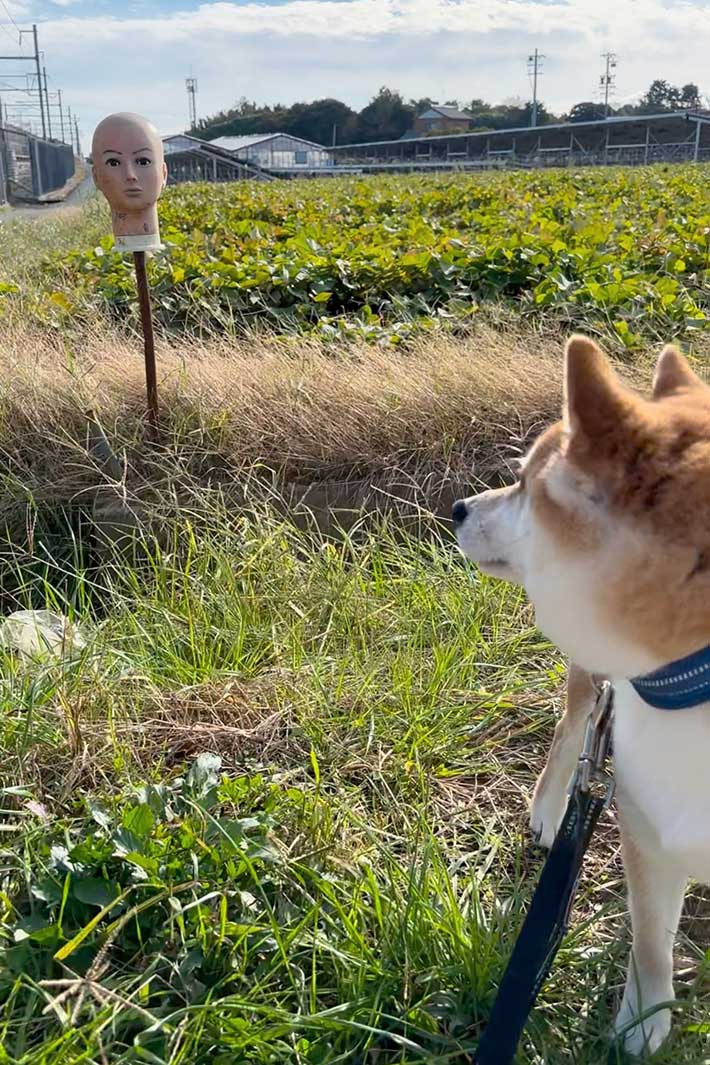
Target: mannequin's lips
column 134, row 192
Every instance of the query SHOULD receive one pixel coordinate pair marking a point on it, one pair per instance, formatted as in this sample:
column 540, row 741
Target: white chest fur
column 662, row 761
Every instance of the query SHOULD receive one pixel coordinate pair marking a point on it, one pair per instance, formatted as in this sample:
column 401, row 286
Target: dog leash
column 547, row 919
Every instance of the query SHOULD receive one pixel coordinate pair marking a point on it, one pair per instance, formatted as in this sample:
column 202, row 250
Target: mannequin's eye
column 113, row 162
column 143, row 160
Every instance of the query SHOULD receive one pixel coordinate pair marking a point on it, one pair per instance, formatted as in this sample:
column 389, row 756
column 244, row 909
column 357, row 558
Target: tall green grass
column 274, row 812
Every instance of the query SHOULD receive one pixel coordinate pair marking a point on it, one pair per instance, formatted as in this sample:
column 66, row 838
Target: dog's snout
column 459, row 511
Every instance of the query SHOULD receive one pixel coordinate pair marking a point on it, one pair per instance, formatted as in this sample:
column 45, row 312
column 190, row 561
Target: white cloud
column 301, row 49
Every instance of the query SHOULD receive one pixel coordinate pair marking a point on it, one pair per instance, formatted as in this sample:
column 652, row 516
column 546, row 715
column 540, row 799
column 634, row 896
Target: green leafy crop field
column 272, row 810
column 622, row 252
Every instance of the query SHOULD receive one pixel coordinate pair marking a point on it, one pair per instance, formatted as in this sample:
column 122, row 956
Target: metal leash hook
column 546, row 922
column 591, row 767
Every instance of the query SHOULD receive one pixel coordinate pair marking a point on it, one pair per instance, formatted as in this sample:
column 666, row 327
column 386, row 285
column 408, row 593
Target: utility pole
column 39, row 81
column 61, row 113
column 191, row 86
column 607, row 79
column 534, row 69
column 46, row 100
column 78, row 142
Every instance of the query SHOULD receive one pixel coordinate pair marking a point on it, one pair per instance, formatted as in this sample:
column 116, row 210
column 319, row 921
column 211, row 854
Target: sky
column 134, row 55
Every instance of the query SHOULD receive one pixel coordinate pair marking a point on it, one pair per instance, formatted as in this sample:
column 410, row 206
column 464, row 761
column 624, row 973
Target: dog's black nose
column 459, row 511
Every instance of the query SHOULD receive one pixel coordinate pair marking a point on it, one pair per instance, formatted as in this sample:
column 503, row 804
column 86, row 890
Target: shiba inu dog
column 608, row 530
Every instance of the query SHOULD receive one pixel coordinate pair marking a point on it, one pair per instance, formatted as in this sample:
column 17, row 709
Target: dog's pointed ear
column 673, row 373
column 594, row 401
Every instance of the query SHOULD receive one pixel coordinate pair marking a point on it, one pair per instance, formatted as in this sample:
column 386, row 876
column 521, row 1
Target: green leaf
column 139, row 821
column 315, row 766
column 64, row 952
column 203, row 774
column 95, row 892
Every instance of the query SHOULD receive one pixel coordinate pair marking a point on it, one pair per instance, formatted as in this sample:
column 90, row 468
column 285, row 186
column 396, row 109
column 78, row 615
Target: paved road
column 50, row 210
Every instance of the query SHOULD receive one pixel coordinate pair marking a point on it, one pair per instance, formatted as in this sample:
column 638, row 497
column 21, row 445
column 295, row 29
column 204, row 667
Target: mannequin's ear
column 165, row 174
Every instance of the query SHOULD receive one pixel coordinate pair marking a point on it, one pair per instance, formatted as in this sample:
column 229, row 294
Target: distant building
column 623, row 140
column 442, row 119
column 191, row 159
column 278, row 153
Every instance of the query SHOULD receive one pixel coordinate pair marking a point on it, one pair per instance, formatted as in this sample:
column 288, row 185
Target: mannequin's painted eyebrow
column 112, row 151
column 142, row 150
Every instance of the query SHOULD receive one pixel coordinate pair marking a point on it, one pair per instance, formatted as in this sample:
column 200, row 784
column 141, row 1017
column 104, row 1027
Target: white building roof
column 237, row 144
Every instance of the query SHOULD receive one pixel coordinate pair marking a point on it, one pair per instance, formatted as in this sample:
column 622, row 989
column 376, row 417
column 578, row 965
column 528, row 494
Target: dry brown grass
column 359, row 429
column 421, row 423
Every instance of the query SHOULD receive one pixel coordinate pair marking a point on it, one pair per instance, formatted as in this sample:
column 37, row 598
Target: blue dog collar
column 679, row 685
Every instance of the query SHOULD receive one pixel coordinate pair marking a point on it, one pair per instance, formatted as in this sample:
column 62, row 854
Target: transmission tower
column 534, row 70
column 607, row 81
column 191, row 85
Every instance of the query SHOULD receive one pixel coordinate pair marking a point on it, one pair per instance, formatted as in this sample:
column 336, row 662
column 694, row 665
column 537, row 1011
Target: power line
column 11, row 36
column 9, row 15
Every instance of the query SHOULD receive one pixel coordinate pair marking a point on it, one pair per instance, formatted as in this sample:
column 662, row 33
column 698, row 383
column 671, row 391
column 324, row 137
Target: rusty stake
column 151, row 376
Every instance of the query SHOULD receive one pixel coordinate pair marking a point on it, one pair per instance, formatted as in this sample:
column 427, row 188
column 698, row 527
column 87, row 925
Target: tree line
column 388, row 116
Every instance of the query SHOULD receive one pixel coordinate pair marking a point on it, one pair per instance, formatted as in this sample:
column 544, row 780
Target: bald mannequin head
column 129, row 168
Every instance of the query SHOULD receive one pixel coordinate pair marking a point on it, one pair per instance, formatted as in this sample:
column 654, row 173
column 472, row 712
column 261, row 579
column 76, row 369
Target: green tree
column 317, row 121
column 420, row 106
column 516, row 114
column 586, row 111
column 661, row 96
column 690, row 96
column 385, row 118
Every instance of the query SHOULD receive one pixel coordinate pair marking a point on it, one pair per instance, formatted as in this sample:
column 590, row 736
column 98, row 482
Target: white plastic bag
column 41, row 634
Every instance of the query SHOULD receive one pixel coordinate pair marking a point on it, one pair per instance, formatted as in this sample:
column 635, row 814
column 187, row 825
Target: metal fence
column 30, row 167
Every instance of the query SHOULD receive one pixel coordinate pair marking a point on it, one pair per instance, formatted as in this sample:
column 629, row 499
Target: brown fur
column 629, row 478
column 650, row 462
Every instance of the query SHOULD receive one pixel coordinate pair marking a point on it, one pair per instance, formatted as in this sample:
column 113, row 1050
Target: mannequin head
column 129, row 168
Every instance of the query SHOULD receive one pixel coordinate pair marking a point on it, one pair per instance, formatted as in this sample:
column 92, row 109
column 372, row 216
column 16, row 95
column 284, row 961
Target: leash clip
column 591, row 768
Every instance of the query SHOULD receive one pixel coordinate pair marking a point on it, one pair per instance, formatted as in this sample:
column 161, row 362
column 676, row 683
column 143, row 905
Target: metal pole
column 61, row 113
column 78, row 142
column 608, row 78
column 39, row 81
column 696, row 154
column 151, row 376
column 534, row 102
column 3, row 179
column 606, row 88
column 46, row 100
